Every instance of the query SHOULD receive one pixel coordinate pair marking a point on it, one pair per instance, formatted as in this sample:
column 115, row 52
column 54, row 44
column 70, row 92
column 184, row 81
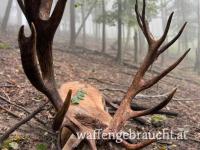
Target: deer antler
column 139, row 84
column 38, row 47
column 89, row 114
column 43, row 26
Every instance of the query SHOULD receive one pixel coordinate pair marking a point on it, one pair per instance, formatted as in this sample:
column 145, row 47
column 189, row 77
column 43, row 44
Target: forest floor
column 111, row 78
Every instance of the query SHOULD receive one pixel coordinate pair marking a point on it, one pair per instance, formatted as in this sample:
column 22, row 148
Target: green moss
column 12, row 143
column 158, row 120
column 4, row 46
column 41, row 147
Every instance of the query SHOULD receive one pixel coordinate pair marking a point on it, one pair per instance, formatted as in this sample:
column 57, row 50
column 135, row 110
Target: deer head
column 87, row 115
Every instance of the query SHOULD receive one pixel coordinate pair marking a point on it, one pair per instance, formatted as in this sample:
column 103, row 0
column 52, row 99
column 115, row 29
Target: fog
column 107, row 66
column 157, row 14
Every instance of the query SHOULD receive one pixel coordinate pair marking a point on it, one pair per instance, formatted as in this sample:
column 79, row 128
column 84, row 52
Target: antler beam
column 139, row 84
column 39, row 45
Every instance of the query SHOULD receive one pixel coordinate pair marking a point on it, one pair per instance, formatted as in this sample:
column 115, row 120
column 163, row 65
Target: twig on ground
column 138, row 107
column 190, row 138
column 8, row 98
column 6, row 86
column 165, row 142
column 113, row 90
column 46, row 130
column 22, row 108
column 171, row 75
column 22, row 122
column 194, row 140
column 161, row 112
column 9, row 112
column 106, row 82
column 141, row 96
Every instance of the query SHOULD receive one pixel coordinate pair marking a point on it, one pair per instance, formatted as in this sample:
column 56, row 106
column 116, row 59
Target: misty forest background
column 99, row 42
column 110, row 27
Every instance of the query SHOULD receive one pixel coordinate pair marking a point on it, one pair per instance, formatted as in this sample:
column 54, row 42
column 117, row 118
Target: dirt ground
column 111, row 78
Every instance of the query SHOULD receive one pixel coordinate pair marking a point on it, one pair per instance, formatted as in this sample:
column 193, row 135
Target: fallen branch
column 22, row 122
column 6, row 86
column 22, row 108
column 113, row 90
column 190, row 138
column 9, row 112
column 106, row 82
column 141, row 96
column 46, row 130
column 137, row 107
column 171, row 75
column 194, row 140
column 86, row 17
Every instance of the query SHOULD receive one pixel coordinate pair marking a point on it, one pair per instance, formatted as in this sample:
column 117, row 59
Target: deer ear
column 58, row 120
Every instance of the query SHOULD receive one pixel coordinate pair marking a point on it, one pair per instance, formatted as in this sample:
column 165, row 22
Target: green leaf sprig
column 80, row 95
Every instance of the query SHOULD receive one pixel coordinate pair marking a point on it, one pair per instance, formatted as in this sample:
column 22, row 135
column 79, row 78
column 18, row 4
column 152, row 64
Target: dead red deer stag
column 86, row 115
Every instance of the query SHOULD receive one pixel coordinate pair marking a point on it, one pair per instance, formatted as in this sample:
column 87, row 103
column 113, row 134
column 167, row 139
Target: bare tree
column 119, row 43
column 136, row 47
column 197, row 61
column 6, row 16
column 72, row 24
column 103, row 27
column 84, row 23
column 19, row 16
column 164, row 20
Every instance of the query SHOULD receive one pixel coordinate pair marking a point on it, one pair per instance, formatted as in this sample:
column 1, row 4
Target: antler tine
column 156, row 108
column 153, row 110
column 144, row 10
column 162, row 39
column 165, row 47
column 138, row 146
column 57, row 14
column 138, row 16
column 38, row 12
column 143, row 23
column 153, row 81
column 138, row 84
column 28, row 54
column 29, row 63
column 21, row 5
column 58, row 120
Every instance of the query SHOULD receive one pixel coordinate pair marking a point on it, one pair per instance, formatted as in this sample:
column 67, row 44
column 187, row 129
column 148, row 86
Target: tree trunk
column 164, row 21
column 84, row 29
column 136, row 47
column 6, row 16
column 141, row 43
column 185, row 37
column 85, row 19
column 19, row 16
column 104, row 27
column 72, row 24
column 197, row 63
column 95, row 23
column 127, row 37
column 119, row 52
